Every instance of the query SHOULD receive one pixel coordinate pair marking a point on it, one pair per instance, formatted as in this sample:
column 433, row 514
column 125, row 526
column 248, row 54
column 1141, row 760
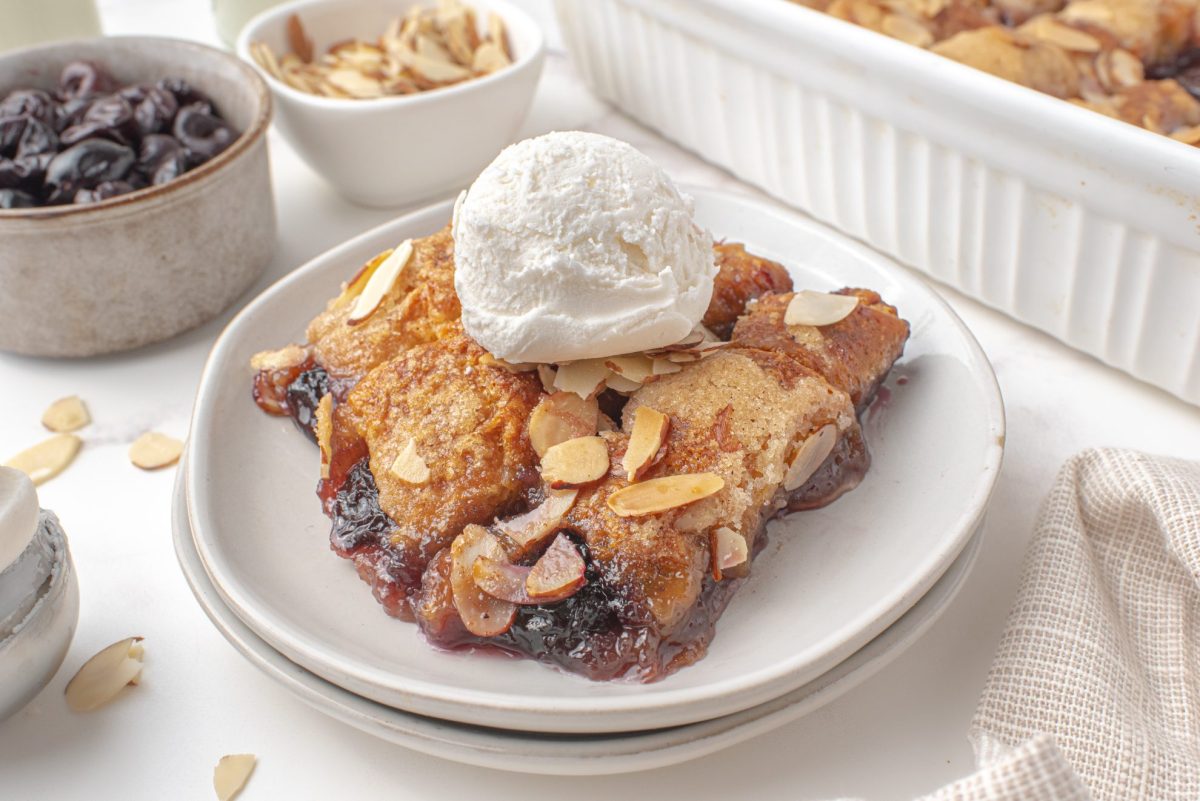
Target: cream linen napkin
column 1096, row 682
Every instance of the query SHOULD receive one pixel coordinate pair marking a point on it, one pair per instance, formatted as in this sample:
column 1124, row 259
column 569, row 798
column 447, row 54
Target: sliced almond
column 66, row 415
column 435, row 71
column 1046, row 28
column 1124, row 69
column 907, row 30
column 324, row 429
column 266, row 59
column 635, row 367
column 48, row 458
column 558, row 574
column 663, row 494
column 497, row 32
column 408, row 466
column 152, row 451
column 818, row 308
column 524, row 533
column 575, row 462
column 298, row 40
column 103, row 676
column 380, row 282
column 582, row 377
column 619, row 383
column 811, row 454
column 482, row 614
column 646, row 440
column 231, row 773
column 355, row 84
column 664, row 366
column 502, row 580
column 730, row 549
column 559, row 417
column 286, row 357
column 548, row 374
column 489, row 58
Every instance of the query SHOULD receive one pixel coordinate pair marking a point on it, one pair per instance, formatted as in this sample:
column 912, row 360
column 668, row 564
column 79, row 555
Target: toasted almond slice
column 502, row 580
column 635, row 367
column 526, row 532
column 664, row 366
column 428, row 47
column 66, row 415
column 694, row 337
column 489, row 58
column 482, row 614
column 547, row 374
column 558, row 574
column 731, row 548
column 818, row 308
column 436, row 71
column 48, row 458
column 683, row 356
column 575, row 462
column 408, row 465
column 498, row 34
column 282, row 359
column 152, row 451
column 359, row 282
column 355, row 84
column 1125, row 69
column 559, row 417
column 662, row 494
column 266, row 59
column 231, row 773
column 1047, row 29
column 582, row 377
column 324, row 428
column 458, row 40
column 102, row 677
column 380, row 283
column 645, row 448
column 907, row 30
column 620, row 383
column 298, row 40
column 811, row 454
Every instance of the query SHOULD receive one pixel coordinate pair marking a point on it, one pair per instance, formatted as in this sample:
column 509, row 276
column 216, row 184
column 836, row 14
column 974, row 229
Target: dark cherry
column 303, row 396
column 161, row 158
column 102, row 191
column 26, row 136
column 70, row 112
column 203, row 134
column 357, row 519
column 1184, row 68
column 185, row 94
column 91, row 162
column 108, row 117
column 83, row 79
column 29, row 102
column 134, row 93
column 25, row 173
column 16, row 199
column 155, row 112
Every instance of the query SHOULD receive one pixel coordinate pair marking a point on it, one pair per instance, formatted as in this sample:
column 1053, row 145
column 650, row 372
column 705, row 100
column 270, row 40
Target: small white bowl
column 394, row 151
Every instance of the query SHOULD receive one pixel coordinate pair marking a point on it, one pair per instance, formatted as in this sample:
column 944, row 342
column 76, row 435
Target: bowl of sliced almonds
column 397, row 101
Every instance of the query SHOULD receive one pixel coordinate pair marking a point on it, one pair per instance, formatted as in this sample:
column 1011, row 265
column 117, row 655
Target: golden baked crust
column 853, row 355
column 468, row 422
column 741, row 278
column 421, row 307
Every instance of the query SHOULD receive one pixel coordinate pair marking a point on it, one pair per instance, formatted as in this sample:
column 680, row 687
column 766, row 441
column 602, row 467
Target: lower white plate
column 830, row 580
column 561, row 754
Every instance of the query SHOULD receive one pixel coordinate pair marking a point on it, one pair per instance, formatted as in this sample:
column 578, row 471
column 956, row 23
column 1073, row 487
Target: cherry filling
column 1185, row 69
column 302, row 397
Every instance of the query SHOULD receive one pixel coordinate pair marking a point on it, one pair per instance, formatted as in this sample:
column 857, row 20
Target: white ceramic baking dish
column 1082, row 226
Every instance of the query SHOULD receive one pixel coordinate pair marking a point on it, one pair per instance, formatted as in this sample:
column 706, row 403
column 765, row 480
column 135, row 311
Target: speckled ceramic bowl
column 138, row 268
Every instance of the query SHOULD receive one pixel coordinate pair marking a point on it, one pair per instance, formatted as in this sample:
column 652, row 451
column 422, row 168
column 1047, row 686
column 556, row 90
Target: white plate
column 562, row 755
column 831, row 580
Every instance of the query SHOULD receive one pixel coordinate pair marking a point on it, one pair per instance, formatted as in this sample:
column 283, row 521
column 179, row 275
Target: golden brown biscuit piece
column 741, row 278
column 421, row 307
column 854, row 354
column 465, row 420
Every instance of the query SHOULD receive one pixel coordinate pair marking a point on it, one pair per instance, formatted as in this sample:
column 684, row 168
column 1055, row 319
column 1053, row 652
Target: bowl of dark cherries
column 135, row 196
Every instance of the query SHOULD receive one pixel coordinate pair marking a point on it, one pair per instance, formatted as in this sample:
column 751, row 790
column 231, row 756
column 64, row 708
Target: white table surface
column 900, row 734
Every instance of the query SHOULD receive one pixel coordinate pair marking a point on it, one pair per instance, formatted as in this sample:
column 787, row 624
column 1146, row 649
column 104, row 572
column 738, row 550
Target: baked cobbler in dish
column 596, row 514
column 1135, row 60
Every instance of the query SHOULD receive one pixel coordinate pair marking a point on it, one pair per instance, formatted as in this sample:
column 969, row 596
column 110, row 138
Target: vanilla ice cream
column 574, row 245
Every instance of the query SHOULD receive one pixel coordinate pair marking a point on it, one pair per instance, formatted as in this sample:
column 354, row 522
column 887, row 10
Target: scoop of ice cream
column 18, row 515
column 574, row 245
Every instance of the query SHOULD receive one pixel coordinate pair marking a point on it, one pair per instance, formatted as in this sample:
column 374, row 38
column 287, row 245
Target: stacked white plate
column 837, row 594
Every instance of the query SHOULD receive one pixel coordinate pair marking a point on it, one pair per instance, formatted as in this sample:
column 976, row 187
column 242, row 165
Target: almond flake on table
column 66, row 415
column 231, row 774
column 102, row 677
column 48, row 458
column 153, row 451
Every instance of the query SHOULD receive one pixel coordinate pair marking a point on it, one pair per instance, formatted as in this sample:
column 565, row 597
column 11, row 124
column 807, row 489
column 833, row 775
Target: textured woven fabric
column 1102, row 648
column 1096, row 681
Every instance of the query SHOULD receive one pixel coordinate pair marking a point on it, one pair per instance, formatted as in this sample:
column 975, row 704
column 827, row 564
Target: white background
column 901, row 733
